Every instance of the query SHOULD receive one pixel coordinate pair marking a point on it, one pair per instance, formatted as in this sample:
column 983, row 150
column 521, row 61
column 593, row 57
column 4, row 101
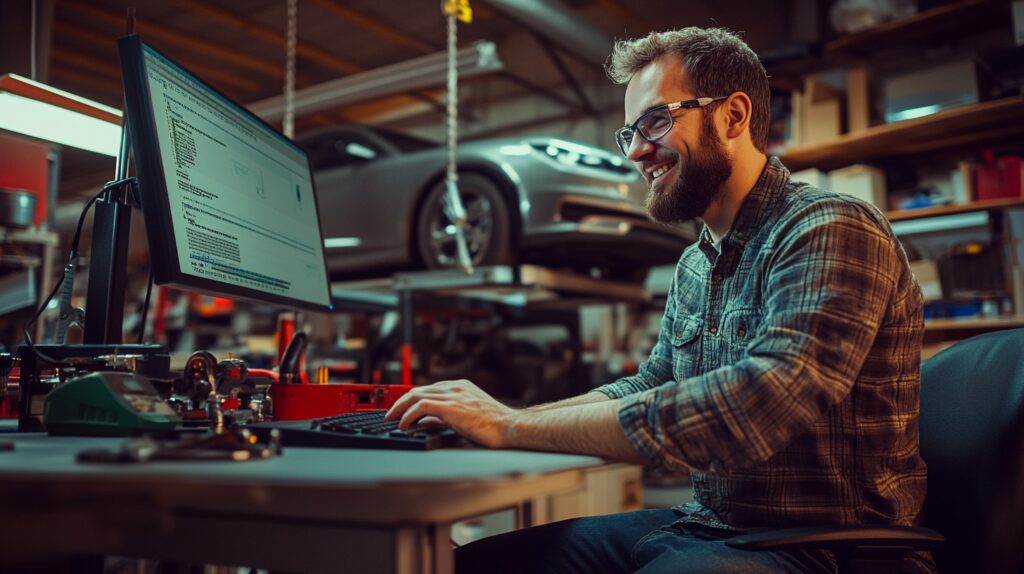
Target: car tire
column 490, row 234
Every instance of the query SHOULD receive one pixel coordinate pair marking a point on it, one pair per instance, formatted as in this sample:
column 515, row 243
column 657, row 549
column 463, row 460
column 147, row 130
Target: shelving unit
column 945, row 137
column 987, row 122
column 964, row 17
column 973, row 323
column 41, row 246
column 939, row 210
column 959, row 18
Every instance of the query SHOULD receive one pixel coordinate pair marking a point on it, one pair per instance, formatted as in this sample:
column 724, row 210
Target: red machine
column 298, row 401
column 295, row 399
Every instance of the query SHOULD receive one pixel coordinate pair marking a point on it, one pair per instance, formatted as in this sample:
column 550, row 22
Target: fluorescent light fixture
column 42, row 112
column 913, row 113
column 941, row 223
column 411, row 75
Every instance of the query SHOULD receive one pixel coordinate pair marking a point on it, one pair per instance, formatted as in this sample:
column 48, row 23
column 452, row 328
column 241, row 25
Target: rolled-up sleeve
column 829, row 282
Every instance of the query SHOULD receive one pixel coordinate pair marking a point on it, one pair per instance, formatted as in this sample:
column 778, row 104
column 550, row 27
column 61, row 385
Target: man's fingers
column 401, row 405
column 431, row 422
column 423, row 408
column 407, row 400
column 437, row 390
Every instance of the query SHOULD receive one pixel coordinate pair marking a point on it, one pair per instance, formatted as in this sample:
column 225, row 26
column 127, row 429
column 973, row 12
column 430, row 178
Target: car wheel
column 490, row 230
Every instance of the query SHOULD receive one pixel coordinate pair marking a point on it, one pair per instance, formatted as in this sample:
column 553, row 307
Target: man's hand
column 460, row 405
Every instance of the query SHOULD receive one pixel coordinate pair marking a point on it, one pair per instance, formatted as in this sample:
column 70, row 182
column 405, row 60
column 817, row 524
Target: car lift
column 523, row 294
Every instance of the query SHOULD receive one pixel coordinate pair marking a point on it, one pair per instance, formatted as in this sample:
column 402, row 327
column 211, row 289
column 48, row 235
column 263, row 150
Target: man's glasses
column 656, row 122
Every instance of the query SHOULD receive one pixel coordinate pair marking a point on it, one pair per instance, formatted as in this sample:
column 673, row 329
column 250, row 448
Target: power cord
column 145, row 306
column 72, row 256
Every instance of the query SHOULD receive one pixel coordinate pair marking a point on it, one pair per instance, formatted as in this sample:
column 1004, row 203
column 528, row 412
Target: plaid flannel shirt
column 787, row 370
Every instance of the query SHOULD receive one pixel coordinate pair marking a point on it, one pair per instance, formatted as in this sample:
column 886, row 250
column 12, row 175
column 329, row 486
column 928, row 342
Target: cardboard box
column 927, row 274
column 861, row 181
column 858, row 100
column 812, row 176
column 927, row 91
column 822, row 108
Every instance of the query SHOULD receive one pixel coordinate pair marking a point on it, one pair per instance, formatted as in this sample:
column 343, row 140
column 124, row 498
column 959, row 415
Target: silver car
column 538, row 200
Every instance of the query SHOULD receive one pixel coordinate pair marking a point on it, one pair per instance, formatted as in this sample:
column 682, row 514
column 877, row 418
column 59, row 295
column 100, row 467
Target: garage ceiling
column 238, row 46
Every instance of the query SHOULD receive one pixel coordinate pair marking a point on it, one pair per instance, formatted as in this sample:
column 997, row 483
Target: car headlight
column 577, row 155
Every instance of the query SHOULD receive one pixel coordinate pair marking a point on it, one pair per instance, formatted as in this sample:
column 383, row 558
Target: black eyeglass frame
column 620, row 134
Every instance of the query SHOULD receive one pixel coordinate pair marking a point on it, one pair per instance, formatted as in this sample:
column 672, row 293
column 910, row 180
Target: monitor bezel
column 153, row 192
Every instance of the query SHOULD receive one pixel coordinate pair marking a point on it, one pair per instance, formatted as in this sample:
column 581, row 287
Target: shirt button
column 741, row 332
column 713, row 330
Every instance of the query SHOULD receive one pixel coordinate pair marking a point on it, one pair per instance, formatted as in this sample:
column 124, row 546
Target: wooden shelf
column 971, row 124
column 958, row 18
column 905, row 214
column 973, row 323
column 31, row 235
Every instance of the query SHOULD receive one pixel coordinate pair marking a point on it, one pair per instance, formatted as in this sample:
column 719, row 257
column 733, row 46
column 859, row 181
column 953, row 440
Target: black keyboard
column 366, row 429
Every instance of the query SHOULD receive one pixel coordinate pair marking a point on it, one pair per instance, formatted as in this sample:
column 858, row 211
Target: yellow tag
column 460, row 8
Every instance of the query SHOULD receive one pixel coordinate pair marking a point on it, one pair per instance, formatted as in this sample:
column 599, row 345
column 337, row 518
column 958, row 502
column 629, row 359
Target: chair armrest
column 840, row 537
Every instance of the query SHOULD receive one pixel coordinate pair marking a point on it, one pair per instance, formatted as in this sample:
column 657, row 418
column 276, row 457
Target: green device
column 107, row 403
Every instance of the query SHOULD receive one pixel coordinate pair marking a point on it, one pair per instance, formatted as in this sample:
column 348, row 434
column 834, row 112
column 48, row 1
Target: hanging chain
column 289, row 70
column 454, row 208
column 452, row 110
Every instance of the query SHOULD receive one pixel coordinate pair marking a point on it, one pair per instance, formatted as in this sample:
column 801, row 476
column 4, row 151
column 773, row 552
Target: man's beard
column 698, row 182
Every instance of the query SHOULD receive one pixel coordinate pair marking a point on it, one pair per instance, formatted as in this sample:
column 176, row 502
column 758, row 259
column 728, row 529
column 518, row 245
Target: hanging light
column 416, row 74
column 36, row 110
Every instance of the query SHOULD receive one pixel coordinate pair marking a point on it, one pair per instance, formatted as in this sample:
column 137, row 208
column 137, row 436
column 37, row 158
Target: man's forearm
column 590, row 427
column 584, row 399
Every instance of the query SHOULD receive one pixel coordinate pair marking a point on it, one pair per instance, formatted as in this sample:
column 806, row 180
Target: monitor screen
column 229, row 203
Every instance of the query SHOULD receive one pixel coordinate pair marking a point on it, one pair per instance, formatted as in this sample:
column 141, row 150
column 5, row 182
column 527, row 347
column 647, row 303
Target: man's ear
column 736, row 111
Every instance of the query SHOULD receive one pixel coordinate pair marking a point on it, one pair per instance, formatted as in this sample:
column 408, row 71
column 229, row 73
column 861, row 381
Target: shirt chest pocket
column 686, row 346
column 739, row 327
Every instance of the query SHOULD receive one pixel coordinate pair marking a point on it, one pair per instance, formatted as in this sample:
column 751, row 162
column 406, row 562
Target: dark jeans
column 645, row 541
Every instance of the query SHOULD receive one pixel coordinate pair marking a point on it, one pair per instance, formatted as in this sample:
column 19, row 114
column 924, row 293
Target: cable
column 73, row 253
column 145, row 306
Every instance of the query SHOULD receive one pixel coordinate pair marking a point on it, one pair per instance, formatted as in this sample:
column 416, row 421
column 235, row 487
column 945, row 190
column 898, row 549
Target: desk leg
column 425, row 549
column 524, row 515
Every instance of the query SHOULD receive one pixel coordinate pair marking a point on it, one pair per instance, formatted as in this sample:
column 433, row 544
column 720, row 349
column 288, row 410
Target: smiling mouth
column 660, row 171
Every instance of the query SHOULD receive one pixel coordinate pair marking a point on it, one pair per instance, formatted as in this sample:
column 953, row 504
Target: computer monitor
column 229, row 203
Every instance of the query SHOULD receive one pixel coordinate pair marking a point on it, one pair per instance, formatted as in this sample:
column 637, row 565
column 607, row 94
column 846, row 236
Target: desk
column 310, row 509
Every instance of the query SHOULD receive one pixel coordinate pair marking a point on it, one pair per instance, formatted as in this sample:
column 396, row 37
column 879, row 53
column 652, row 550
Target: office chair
column 972, row 439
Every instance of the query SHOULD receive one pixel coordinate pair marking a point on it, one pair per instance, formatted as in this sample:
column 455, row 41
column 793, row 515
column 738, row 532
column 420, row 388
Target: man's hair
column 717, row 62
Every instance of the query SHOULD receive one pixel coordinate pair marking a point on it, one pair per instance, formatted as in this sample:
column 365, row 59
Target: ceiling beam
column 178, row 38
column 72, row 79
column 376, row 27
column 269, row 35
column 105, row 46
column 557, row 21
column 539, row 90
column 563, row 69
column 101, row 69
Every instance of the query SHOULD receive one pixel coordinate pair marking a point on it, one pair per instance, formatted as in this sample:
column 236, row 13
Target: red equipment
column 299, row 401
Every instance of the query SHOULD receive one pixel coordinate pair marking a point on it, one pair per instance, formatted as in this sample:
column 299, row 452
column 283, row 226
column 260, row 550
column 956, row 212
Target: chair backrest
column 972, row 438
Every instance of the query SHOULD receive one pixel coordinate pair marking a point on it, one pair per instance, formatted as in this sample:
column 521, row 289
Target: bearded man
column 785, row 378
